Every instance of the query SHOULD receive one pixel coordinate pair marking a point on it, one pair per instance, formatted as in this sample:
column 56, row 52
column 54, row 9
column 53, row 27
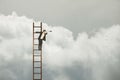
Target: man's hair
column 44, row 30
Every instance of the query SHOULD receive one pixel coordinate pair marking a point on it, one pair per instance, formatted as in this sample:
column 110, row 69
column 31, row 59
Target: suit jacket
column 44, row 38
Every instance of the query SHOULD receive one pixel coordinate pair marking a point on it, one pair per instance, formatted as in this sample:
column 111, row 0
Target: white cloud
column 88, row 57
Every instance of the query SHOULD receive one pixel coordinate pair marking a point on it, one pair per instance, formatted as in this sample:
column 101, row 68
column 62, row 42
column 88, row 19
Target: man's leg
column 40, row 44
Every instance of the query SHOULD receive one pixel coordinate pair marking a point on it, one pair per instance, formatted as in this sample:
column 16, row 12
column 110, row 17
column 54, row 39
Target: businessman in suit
column 41, row 37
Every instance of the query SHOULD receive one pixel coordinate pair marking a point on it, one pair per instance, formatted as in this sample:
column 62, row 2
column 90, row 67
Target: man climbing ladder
column 38, row 36
column 37, row 54
column 41, row 37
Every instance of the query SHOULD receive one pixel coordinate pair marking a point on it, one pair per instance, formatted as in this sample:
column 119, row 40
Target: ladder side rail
column 41, row 54
column 33, row 50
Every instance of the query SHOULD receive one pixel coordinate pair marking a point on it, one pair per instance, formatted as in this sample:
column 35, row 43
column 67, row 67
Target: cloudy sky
column 76, row 15
column 84, row 44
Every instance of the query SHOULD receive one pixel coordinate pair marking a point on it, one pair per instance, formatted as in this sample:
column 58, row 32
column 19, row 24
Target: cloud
column 88, row 57
column 15, row 47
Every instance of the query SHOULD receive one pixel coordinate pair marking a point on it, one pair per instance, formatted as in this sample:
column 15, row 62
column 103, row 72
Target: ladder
column 37, row 54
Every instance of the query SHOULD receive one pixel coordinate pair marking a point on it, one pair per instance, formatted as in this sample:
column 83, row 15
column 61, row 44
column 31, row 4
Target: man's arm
column 39, row 35
column 45, row 37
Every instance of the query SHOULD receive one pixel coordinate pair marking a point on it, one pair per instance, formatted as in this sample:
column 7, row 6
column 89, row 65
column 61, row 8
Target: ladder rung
column 36, row 44
column 37, row 79
column 37, row 55
column 37, row 73
column 35, row 38
column 37, row 26
column 36, row 49
column 37, row 67
column 37, row 61
column 36, row 32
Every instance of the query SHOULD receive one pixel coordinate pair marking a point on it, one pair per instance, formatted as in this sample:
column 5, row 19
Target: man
column 42, row 37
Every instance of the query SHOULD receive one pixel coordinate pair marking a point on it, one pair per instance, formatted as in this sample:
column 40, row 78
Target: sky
column 93, row 55
column 76, row 15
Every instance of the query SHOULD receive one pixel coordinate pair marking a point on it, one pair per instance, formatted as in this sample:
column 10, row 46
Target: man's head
column 44, row 30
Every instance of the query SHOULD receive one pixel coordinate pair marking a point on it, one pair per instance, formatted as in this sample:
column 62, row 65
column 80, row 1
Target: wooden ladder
column 37, row 54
